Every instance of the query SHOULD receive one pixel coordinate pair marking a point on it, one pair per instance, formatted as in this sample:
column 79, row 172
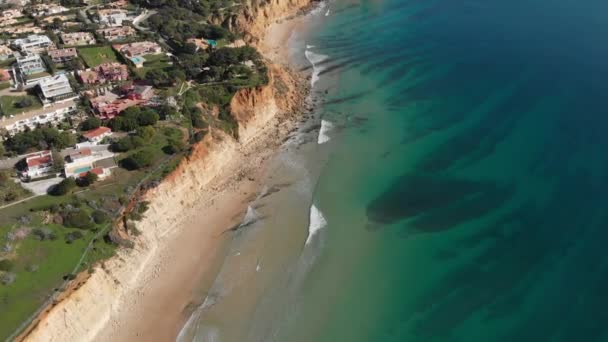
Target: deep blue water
column 465, row 192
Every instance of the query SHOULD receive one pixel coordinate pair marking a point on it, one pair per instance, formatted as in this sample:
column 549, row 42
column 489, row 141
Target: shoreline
column 149, row 292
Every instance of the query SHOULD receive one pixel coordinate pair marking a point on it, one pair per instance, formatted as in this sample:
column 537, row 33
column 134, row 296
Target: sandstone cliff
column 259, row 112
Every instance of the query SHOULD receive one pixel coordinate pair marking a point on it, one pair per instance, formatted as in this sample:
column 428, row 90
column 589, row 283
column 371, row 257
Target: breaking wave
column 326, row 127
column 315, row 59
column 317, row 222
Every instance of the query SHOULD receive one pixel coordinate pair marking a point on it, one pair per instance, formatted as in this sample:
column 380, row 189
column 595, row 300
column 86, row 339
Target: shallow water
column 456, row 188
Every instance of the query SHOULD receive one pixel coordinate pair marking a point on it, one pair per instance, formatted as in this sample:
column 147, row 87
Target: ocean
column 449, row 188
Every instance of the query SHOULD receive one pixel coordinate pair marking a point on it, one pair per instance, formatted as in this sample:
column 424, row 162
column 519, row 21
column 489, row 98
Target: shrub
column 73, row 236
column 90, row 123
column 78, row 219
column 7, row 265
column 100, row 217
column 64, row 187
column 44, row 234
column 88, row 179
column 138, row 160
column 122, row 145
column 8, row 278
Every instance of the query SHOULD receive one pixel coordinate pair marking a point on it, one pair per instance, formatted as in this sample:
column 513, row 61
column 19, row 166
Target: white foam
column 315, row 59
column 317, row 222
column 327, row 13
column 326, row 127
column 310, row 46
column 250, row 217
column 258, row 268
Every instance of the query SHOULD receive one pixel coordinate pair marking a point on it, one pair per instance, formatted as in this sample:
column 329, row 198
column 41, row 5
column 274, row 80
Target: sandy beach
column 146, row 293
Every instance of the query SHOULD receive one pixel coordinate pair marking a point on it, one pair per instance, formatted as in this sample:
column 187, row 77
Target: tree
column 90, row 123
column 88, row 179
column 65, row 139
column 24, row 103
column 6, row 265
column 74, row 64
column 122, row 145
column 64, row 187
column 146, row 132
column 138, row 160
column 148, row 117
column 100, row 217
column 58, row 161
column 159, row 78
column 78, row 219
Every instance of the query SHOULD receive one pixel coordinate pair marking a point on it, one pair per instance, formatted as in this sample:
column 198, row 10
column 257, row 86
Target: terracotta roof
column 39, row 161
column 83, row 152
column 98, row 171
column 96, row 132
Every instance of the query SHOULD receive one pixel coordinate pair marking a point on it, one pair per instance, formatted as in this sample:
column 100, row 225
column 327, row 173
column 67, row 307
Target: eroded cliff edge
column 265, row 116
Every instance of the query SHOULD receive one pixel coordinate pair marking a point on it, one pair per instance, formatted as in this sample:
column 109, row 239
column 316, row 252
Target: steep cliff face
column 256, row 15
column 259, row 111
column 254, row 108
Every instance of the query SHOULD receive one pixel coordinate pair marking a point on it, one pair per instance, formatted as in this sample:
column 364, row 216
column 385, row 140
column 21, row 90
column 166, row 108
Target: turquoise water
column 467, row 171
column 82, row 169
column 455, row 191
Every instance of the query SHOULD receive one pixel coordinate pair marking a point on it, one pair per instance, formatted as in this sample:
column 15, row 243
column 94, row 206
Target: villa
column 37, row 164
column 6, row 53
column 117, row 33
column 33, row 43
column 138, row 49
column 63, row 55
column 96, row 135
column 78, row 38
column 107, row 72
column 85, row 160
column 112, row 17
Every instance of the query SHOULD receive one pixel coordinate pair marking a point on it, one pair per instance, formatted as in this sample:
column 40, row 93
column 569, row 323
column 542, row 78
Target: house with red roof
column 37, row 164
column 96, row 135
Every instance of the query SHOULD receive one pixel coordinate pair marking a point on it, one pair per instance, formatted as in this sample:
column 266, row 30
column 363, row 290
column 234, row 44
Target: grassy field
column 9, row 104
column 94, row 56
column 154, row 62
column 40, row 266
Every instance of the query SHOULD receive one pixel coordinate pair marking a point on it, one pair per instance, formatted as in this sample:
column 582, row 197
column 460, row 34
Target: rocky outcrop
column 255, row 16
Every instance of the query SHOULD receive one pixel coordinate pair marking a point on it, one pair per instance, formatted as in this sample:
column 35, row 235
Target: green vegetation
column 10, row 191
column 11, row 105
column 64, row 187
column 39, row 139
column 38, row 75
column 94, row 56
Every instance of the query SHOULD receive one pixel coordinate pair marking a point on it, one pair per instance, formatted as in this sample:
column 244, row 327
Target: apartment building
column 56, row 88
column 32, row 119
column 30, row 63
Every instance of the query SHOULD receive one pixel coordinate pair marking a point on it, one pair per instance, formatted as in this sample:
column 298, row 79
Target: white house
column 33, row 43
column 37, row 164
column 97, row 135
column 112, row 17
column 86, row 160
